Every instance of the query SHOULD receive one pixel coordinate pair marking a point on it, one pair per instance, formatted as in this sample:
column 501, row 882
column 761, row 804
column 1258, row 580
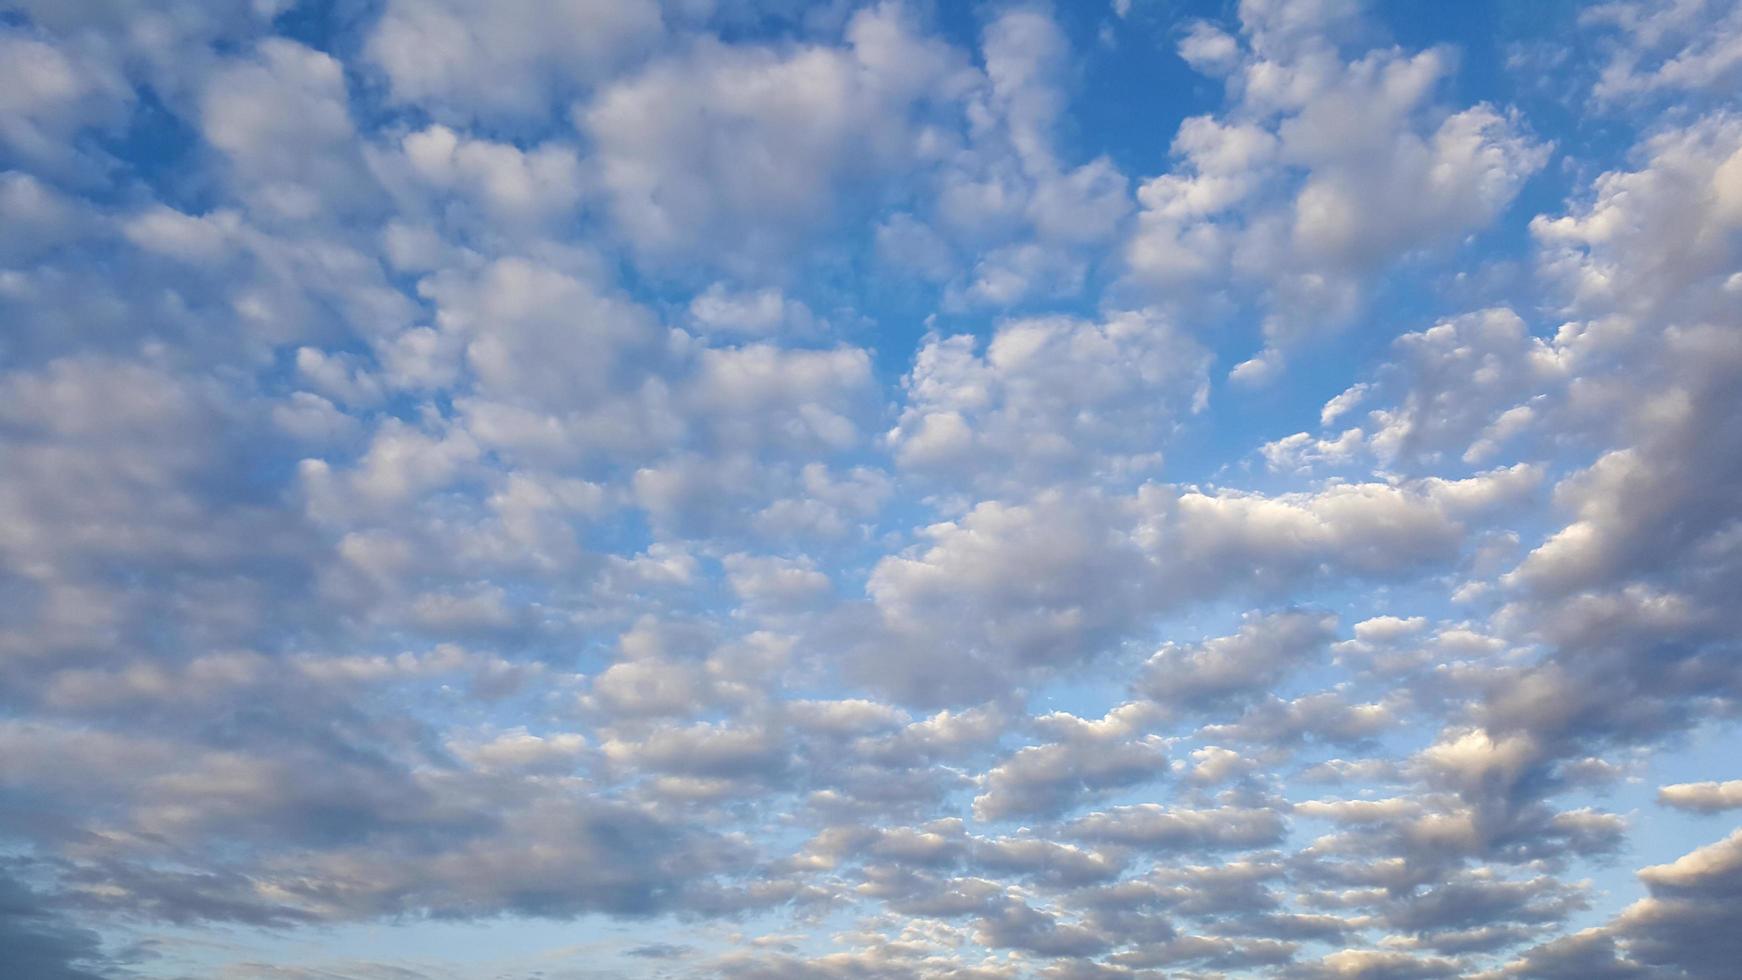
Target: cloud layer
column 757, row 489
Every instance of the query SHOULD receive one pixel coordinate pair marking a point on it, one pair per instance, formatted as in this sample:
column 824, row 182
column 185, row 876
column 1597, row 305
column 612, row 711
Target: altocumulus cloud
column 620, row 488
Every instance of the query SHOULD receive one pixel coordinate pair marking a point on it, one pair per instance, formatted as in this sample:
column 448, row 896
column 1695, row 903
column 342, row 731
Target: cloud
column 42, row 943
column 745, row 147
column 1222, row 669
column 505, row 188
column 514, row 62
column 1459, row 390
column 1324, row 173
column 1047, row 397
column 718, row 309
column 1031, row 587
column 53, row 93
column 1085, row 757
column 281, row 119
column 1706, row 797
column 1678, row 931
column 1153, row 827
column 1665, row 47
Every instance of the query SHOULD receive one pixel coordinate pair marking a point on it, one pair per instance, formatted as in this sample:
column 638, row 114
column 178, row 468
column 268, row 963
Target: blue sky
column 612, row 489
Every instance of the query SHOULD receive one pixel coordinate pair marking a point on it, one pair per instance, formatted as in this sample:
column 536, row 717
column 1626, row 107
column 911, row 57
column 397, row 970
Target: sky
column 754, row 489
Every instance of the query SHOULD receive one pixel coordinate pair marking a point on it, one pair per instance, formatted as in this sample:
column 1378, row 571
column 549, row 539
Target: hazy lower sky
column 753, row 489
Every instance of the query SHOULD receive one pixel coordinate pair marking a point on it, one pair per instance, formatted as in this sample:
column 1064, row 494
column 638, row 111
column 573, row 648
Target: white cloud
column 511, row 187
column 1249, row 662
column 511, row 60
column 1086, row 758
column 1048, row 397
column 1706, row 797
column 50, row 94
column 1338, row 169
column 735, row 152
column 281, row 117
column 719, row 309
column 1667, row 46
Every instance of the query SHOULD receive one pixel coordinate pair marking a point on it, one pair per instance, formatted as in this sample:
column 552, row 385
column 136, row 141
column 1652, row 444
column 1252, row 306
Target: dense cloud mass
column 756, row 489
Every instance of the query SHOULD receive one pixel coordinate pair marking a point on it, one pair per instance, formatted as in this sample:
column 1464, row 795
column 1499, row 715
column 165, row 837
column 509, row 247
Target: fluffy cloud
column 282, row 120
column 1008, row 589
column 1156, row 827
column 1458, row 390
column 1324, row 174
column 744, row 147
column 1706, row 797
column 1043, row 396
column 1678, row 931
column 511, row 60
column 1251, row 661
column 1085, row 757
column 1662, row 47
column 51, row 94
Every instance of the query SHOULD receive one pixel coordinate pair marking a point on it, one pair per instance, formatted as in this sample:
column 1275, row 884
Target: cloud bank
column 756, row 489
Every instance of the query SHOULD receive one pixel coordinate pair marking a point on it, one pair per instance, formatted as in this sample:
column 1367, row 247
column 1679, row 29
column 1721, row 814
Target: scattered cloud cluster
column 757, row 489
